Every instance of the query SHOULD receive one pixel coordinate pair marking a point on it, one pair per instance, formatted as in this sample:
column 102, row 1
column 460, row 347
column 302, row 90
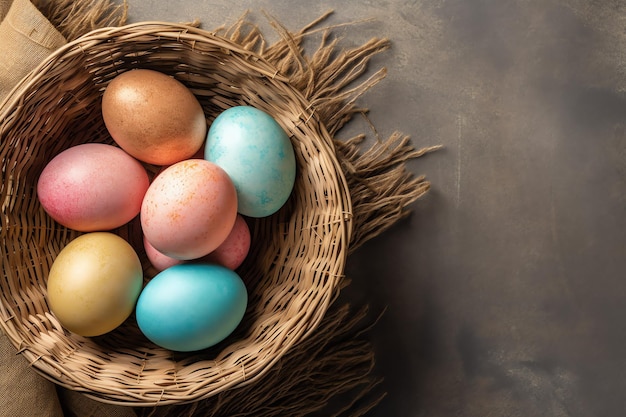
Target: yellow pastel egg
column 94, row 283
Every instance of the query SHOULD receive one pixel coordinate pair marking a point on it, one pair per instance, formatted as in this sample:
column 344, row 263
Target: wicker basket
column 298, row 254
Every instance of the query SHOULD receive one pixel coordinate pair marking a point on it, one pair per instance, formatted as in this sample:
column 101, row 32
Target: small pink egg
column 233, row 251
column 189, row 209
column 158, row 260
column 92, row 187
column 230, row 254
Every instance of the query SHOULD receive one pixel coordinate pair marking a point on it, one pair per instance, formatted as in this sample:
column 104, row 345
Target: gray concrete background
column 505, row 292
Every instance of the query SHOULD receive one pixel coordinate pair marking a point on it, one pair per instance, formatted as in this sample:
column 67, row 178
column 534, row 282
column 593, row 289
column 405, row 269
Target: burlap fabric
column 26, row 37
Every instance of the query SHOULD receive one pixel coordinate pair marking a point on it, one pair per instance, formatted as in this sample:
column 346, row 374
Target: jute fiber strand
column 295, row 269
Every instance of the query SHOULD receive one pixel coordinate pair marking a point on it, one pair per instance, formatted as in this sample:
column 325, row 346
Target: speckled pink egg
column 233, row 251
column 92, row 187
column 189, row 209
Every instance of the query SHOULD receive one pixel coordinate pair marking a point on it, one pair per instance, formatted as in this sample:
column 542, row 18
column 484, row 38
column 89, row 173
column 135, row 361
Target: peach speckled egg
column 189, row 209
column 153, row 116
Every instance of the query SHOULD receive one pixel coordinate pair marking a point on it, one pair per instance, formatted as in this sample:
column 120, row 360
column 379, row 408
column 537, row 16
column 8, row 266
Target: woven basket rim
column 50, row 368
column 187, row 31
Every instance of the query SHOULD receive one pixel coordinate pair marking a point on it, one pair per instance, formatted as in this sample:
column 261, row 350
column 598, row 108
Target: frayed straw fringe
column 75, row 18
column 331, row 371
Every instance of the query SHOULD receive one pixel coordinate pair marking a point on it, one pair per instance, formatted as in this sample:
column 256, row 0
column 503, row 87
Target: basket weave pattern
column 297, row 257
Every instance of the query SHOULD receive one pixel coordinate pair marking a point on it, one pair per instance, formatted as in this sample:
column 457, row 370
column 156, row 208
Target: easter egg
column 257, row 155
column 92, row 187
column 153, row 116
column 233, row 251
column 189, row 307
column 94, row 283
column 157, row 259
column 189, row 209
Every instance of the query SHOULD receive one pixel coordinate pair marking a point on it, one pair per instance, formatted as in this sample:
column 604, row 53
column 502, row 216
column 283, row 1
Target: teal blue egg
column 189, row 307
column 258, row 156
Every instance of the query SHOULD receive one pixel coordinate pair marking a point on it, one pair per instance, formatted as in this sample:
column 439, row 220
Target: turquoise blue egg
column 257, row 155
column 190, row 307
